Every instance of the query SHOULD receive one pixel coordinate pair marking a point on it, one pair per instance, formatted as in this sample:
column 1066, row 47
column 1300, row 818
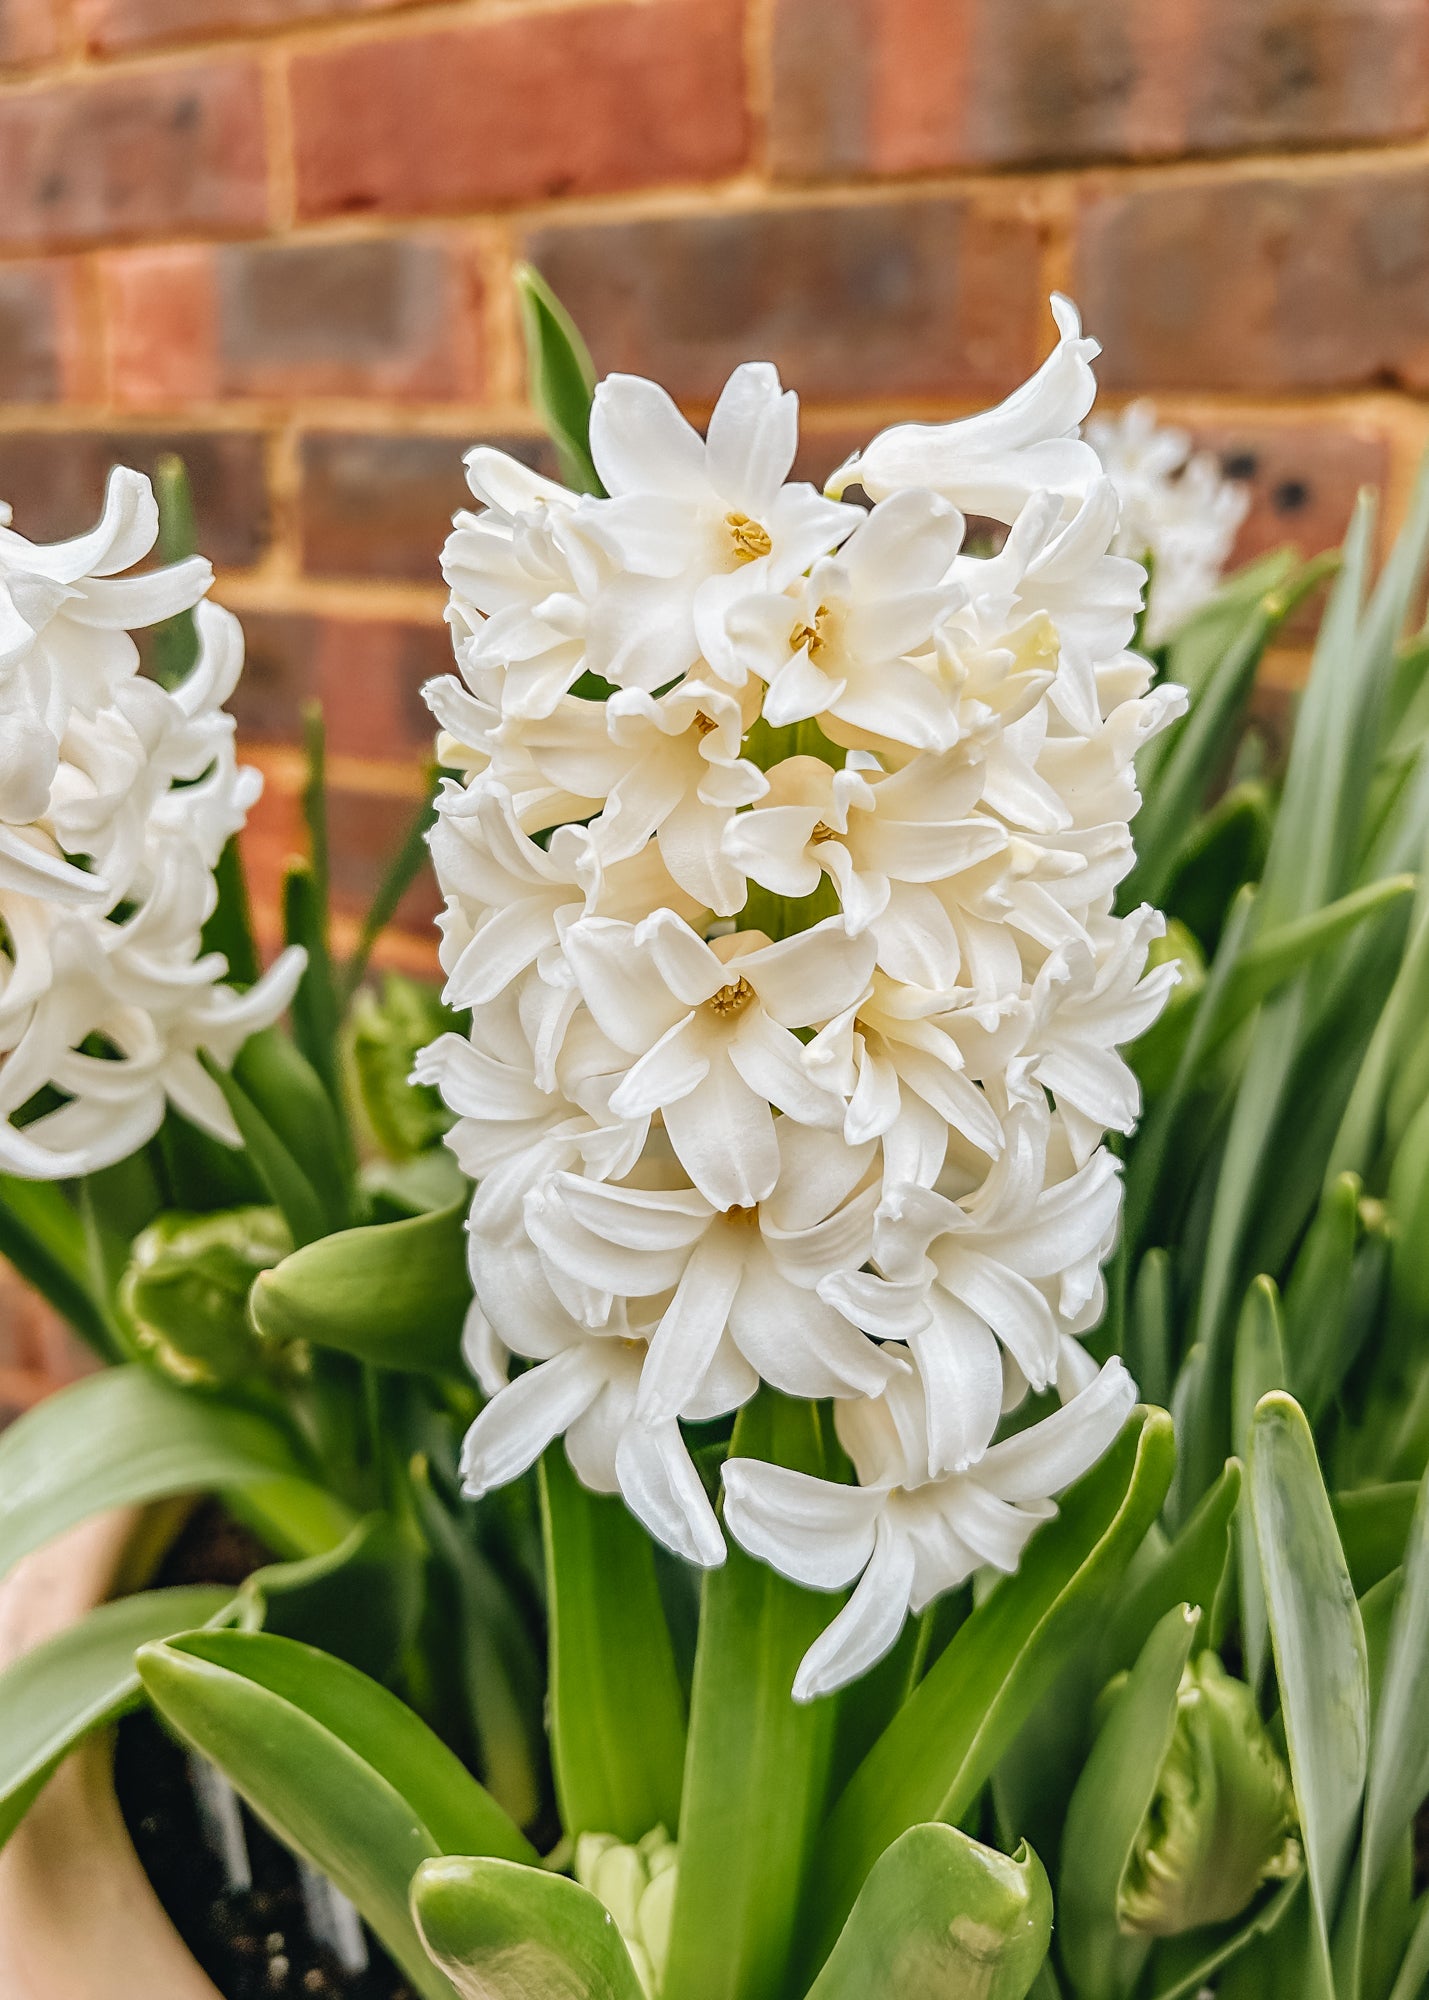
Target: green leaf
column 339, row 1769
column 123, row 1437
column 230, row 927
column 1318, row 1296
column 42, row 1235
column 756, row 1759
column 296, row 1101
column 1278, row 954
column 617, row 1715
column 1183, row 1967
column 934, row 1757
column 942, row 1917
column 1224, row 850
column 1190, row 1571
column 1408, row 1198
column 175, row 640
column 1373, row 1524
column 287, row 1186
column 561, row 377
column 1319, row 1642
column 360, row 1599
column 501, row 1932
column 316, row 1010
column 1399, row 1765
column 1112, row 1798
column 1150, row 1339
column 83, row 1679
column 1258, row 1367
column 1414, row 1968
column 393, row 1294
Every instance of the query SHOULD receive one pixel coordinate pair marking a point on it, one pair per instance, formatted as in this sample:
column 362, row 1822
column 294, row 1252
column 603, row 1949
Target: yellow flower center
column 813, row 636
column 703, row 723
column 821, row 833
column 750, row 538
column 732, row 999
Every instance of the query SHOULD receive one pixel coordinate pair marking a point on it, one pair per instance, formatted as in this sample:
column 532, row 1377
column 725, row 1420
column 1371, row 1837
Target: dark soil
column 254, row 1943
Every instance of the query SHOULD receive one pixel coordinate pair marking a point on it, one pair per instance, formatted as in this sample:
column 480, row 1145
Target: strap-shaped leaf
column 1373, row 1524
column 1258, row 1367
column 757, row 1767
column 295, row 1100
column 617, row 1714
column 561, row 377
column 43, row 1236
column 339, row 1768
column 83, row 1679
column 934, row 1757
column 393, row 1294
column 123, row 1437
column 1112, row 1798
column 286, row 1184
column 1190, row 1571
column 941, row 1917
column 1319, row 1642
column 1399, row 1766
column 503, row 1932
column 360, row 1599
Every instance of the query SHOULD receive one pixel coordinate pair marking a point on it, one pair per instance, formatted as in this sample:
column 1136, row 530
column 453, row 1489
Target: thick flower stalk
column 780, row 886
column 1179, row 513
column 117, row 796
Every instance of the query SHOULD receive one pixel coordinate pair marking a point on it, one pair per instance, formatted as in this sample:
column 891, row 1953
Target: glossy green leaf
column 1362, row 1128
column 295, row 1099
column 1258, row 1367
column 42, row 1235
column 1112, row 1798
column 83, row 1679
column 1224, row 850
column 756, row 1759
column 1409, row 1204
column 1278, row 954
column 358, row 1600
column 229, row 928
column 1184, row 1967
column 502, row 1932
column 1413, row 1975
column 393, row 1294
column 561, row 377
column 938, row 1751
column 1399, row 1764
column 1318, row 1295
column 122, row 1437
column 339, row 1768
column 316, row 1010
column 942, row 1917
column 284, row 1181
column 1191, row 1571
column 1373, row 1524
column 174, row 642
column 617, row 1713
column 1319, row 1643
column 1151, row 1335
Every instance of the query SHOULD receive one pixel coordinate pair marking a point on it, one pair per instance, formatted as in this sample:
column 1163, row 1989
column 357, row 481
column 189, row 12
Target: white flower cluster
column 780, row 889
column 116, row 798
column 1178, row 512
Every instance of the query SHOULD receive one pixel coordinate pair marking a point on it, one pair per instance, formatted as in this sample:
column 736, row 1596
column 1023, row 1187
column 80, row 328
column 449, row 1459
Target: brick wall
column 277, row 236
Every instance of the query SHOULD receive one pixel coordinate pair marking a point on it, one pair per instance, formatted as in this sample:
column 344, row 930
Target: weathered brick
column 381, row 505
column 55, row 482
column 370, row 673
column 134, row 155
column 279, row 675
column 365, row 829
column 1265, row 283
column 888, row 299
column 129, row 24
column 29, row 32
column 1302, row 480
column 44, row 354
column 898, row 86
column 397, row 316
column 568, row 101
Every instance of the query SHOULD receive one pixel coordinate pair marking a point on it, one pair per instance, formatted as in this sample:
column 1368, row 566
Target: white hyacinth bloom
column 1179, row 512
column 781, row 884
column 117, row 797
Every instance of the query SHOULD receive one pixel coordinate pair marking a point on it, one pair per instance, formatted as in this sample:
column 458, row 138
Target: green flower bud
column 1223, row 1820
column 387, row 1031
column 185, row 1291
column 637, row 1886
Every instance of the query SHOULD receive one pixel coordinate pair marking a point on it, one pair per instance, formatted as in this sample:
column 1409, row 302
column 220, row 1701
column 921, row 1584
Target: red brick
column 898, row 86
column 279, row 675
column 365, row 829
column 382, row 505
column 396, row 316
column 44, row 352
column 55, row 482
column 129, row 24
column 370, row 674
column 29, row 32
column 1302, row 480
column 913, row 298
column 1263, row 283
column 161, row 321
column 134, row 155
column 570, row 101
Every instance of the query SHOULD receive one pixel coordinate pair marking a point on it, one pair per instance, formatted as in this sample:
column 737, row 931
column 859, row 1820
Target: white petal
column 869, row 1624
column 810, row 1530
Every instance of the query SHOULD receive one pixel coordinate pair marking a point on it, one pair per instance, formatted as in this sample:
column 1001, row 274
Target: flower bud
column 186, row 1288
column 1223, row 1819
column 388, row 1031
column 637, row 1886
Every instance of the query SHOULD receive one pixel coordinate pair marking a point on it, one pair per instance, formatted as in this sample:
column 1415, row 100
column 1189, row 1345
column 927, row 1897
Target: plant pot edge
column 79, row 1919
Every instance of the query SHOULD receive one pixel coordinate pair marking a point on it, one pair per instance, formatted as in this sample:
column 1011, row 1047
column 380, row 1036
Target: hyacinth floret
column 780, row 877
column 117, row 797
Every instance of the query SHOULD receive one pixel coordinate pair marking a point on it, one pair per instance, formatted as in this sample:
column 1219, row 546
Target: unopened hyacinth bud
column 186, row 1289
column 1223, row 1820
column 637, row 1886
column 388, row 1030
